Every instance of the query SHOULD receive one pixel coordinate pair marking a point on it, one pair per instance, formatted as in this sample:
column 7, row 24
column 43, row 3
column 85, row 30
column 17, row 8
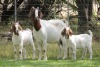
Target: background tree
column 84, row 14
column 23, row 7
column 8, row 11
column 45, row 6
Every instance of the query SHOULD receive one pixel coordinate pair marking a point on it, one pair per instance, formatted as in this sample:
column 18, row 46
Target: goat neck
column 36, row 24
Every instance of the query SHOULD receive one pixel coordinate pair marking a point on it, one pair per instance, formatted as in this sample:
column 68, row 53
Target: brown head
column 15, row 28
column 35, row 15
column 69, row 32
column 66, row 32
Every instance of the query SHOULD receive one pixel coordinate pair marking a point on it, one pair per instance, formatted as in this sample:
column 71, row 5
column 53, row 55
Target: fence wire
column 6, row 46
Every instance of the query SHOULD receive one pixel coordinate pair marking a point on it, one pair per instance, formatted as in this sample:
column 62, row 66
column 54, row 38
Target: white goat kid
column 46, row 31
column 21, row 38
column 83, row 41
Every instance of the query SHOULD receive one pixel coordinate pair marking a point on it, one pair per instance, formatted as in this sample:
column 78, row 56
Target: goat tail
column 90, row 32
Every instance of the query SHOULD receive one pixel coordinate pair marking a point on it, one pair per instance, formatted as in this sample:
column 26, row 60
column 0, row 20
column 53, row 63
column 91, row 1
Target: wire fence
column 6, row 46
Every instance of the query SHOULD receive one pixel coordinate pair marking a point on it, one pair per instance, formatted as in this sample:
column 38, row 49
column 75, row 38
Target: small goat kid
column 21, row 38
column 83, row 41
column 46, row 31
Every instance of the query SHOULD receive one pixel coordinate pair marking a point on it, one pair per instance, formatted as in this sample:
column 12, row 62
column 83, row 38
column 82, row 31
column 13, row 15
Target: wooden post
column 15, row 10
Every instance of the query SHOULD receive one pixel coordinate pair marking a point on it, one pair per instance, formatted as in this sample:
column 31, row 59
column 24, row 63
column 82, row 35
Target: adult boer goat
column 46, row 31
column 83, row 41
column 21, row 38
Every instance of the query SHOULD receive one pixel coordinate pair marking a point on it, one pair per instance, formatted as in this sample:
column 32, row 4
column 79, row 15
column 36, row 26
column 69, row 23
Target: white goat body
column 46, row 31
column 24, row 38
column 49, row 33
column 83, row 41
column 52, row 30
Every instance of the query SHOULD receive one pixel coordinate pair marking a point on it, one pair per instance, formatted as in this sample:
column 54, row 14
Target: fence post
column 15, row 10
column 68, row 24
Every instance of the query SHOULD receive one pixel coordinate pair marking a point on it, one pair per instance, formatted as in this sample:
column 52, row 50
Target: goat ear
column 63, row 32
column 70, row 32
column 40, row 14
column 32, row 8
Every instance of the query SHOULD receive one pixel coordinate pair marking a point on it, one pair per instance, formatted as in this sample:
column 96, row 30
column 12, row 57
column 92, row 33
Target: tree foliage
column 8, row 11
column 23, row 7
column 84, row 14
column 84, row 8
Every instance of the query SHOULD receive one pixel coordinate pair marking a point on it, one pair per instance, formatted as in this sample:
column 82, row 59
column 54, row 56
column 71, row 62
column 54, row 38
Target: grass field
column 7, row 56
column 49, row 63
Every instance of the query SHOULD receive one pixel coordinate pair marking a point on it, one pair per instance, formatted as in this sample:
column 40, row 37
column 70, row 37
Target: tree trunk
column 25, row 5
column 0, row 13
column 84, row 14
column 44, row 5
column 8, row 12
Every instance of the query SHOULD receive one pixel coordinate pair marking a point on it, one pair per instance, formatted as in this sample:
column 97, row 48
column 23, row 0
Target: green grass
column 7, row 57
column 50, row 63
